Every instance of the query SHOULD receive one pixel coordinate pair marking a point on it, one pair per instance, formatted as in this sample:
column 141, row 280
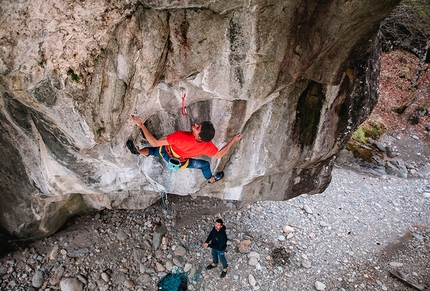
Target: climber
column 185, row 146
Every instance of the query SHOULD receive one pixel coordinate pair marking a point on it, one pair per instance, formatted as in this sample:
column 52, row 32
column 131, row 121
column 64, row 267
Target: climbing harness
column 175, row 161
column 172, row 153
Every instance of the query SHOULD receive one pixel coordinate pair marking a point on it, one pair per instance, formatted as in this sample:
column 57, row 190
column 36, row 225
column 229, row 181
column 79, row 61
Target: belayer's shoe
column 210, row 267
column 218, row 176
column 223, row 273
column 131, row 147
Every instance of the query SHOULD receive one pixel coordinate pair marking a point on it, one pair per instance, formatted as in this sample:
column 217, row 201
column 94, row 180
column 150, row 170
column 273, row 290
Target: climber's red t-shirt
column 185, row 145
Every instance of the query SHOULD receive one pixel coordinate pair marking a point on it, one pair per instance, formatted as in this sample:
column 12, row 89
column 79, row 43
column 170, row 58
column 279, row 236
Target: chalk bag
column 174, row 164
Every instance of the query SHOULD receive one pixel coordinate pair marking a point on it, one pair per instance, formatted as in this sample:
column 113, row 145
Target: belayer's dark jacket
column 217, row 239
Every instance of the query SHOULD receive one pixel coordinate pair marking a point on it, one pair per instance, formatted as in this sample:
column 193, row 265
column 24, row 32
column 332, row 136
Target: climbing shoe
column 131, row 147
column 210, row 267
column 223, row 273
column 218, row 176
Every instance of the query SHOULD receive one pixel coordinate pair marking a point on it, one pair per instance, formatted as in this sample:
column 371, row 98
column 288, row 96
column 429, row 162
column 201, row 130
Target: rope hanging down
column 166, row 205
column 197, row 276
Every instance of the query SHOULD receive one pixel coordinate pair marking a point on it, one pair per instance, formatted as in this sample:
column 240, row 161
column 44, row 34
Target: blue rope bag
column 173, row 282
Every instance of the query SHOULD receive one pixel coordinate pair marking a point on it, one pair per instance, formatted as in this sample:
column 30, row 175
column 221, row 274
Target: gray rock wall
column 295, row 77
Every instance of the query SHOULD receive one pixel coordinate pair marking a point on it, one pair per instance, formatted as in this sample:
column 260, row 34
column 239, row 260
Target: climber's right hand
column 137, row 120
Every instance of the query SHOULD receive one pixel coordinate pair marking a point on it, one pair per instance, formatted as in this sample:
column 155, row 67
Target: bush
column 369, row 129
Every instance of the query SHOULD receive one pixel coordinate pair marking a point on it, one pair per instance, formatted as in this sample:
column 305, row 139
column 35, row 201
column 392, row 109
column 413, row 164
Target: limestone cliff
column 295, row 77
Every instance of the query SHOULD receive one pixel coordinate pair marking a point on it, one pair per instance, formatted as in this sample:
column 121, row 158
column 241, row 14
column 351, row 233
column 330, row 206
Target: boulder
column 396, row 167
column 295, row 77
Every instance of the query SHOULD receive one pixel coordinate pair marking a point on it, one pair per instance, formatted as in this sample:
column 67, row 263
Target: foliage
column 360, row 152
column 358, row 144
column 370, row 129
column 422, row 107
column 73, row 75
column 405, row 73
column 359, row 135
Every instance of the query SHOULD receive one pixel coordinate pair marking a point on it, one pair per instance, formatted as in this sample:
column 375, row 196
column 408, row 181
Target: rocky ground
column 366, row 224
column 347, row 238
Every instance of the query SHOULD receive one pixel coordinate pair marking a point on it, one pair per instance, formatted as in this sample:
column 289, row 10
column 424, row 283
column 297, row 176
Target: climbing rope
column 197, row 274
column 166, row 205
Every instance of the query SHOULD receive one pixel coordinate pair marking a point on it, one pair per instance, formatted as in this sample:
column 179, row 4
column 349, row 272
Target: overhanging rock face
column 295, row 77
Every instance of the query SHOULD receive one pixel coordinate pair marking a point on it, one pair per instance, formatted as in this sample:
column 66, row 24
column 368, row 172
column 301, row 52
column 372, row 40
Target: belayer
column 184, row 146
column 217, row 241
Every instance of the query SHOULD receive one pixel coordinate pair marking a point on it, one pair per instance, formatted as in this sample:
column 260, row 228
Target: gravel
column 347, row 238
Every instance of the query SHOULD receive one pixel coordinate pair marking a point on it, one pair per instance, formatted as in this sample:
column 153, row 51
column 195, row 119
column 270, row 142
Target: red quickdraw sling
column 184, row 108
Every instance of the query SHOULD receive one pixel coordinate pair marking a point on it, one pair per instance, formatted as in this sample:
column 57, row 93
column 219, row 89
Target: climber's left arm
column 149, row 137
column 227, row 147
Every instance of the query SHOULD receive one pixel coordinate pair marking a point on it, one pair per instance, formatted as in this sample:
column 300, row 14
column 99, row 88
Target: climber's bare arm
column 151, row 139
column 227, row 147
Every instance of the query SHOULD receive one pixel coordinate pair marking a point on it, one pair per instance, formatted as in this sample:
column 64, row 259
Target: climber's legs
column 203, row 165
column 144, row 151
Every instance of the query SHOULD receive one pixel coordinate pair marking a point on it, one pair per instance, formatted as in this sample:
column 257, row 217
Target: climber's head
column 204, row 131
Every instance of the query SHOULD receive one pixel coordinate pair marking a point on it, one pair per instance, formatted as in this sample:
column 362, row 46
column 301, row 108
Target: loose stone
column 78, row 252
column 37, row 280
column 287, row 229
column 121, row 236
column 306, row 264
column 54, row 252
column 319, row 285
column 307, row 209
column 252, row 280
column 180, row 251
column 244, row 246
column 105, row 277
column 57, row 275
column 71, row 284
column 128, row 284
